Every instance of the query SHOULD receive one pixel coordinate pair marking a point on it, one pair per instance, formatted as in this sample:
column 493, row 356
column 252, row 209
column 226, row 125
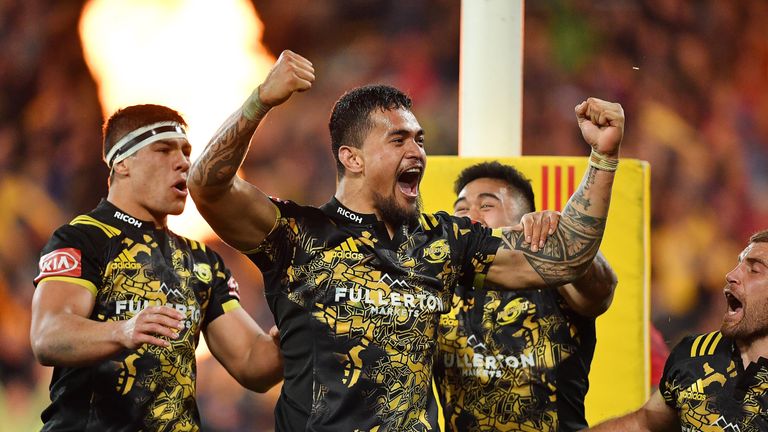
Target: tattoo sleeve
column 224, row 154
column 569, row 252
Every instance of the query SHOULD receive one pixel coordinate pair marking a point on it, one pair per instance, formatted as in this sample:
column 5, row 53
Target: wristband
column 599, row 161
column 254, row 109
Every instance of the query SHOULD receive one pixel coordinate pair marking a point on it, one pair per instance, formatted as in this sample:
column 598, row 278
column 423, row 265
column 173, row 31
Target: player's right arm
column 240, row 213
column 62, row 334
column 654, row 416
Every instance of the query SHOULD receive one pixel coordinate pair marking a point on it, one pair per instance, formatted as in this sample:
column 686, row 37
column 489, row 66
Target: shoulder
column 84, row 230
column 441, row 219
column 287, row 209
column 92, row 225
column 700, row 347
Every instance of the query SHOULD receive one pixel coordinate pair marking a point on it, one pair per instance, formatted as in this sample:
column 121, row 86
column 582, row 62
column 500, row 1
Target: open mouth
column 181, row 186
column 408, row 181
column 734, row 304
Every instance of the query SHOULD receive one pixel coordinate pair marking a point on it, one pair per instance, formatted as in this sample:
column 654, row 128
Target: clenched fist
column 291, row 73
column 602, row 125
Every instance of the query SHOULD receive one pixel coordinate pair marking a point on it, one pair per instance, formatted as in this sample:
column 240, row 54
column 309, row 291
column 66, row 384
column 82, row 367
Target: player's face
column 159, row 176
column 394, row 164
column 746, row 294
column 491, row 202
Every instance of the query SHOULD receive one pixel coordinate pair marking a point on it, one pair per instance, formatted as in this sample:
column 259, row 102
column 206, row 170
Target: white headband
column 142, row 137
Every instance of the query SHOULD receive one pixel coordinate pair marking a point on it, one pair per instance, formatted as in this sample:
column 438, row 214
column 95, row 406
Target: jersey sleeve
column 275, row 254
column 477, row 246
column 669, row 383
column 70, row 256
column 225, row 292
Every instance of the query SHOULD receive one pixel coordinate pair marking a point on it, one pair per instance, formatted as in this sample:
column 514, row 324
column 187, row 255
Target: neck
column 752, row 349
column 351, row 194
column 123, row 201
column 354, row 197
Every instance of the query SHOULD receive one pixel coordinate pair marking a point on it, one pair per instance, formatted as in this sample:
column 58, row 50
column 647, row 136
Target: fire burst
column 199, row 57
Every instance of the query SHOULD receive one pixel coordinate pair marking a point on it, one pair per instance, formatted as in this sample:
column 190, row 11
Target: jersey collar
column 336, row 210
column 121, row 218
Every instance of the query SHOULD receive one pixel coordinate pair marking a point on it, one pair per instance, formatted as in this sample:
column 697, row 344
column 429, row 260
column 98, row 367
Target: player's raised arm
column 568, row 253
column 220, row 195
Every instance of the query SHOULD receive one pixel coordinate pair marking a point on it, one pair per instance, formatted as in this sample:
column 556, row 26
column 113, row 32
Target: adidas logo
column 347, row 250
column 695, row 391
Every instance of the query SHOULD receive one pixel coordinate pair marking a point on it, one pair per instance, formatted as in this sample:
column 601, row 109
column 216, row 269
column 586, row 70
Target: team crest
column 203, row 272
column 437, row 251
column 512, row 311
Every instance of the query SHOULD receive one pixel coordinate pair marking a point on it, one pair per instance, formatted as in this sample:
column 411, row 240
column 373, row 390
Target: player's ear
column 351, row 158
column 121, row 168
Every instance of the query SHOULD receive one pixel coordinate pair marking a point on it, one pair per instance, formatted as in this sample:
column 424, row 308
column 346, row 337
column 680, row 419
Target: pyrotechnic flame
column 199, row 57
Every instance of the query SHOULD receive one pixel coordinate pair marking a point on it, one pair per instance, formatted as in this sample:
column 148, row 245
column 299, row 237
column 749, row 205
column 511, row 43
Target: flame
column 199, row 57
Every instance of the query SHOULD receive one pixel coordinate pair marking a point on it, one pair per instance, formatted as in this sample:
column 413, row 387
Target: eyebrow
column 169, row 143
column 480, row 195
column 753, row 260
column 405, row 132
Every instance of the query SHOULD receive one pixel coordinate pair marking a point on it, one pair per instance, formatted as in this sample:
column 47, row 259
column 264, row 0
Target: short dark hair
column 350, row 118
column 130, row 118
column 496, row 170
column 759, row 237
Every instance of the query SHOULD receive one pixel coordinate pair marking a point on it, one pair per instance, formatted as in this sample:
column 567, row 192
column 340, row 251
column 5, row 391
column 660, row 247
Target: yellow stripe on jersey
column 77, row 281
column 230, row 305
column 194, row 244
column 695, row 345
column 705, row 343
column 714, row 343
column 428, row 221
column 440, row 417
column 352, row 246
column 109, row 230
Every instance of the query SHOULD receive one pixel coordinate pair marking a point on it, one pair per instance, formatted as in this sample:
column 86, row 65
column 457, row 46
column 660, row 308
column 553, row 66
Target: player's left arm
column 592, row 294
column 245, row 350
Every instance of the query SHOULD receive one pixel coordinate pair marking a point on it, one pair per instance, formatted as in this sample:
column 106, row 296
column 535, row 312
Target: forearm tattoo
column 570, row 250
column 225, row 153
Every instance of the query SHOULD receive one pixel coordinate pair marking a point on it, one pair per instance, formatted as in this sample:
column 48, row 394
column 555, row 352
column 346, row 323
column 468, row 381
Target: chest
column 717, row 396
column 143, row 271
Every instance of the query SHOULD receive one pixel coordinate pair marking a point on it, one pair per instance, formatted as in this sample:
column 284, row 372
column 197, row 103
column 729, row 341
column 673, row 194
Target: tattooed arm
column 591, row 294
column 568, row 253
column 240, row 213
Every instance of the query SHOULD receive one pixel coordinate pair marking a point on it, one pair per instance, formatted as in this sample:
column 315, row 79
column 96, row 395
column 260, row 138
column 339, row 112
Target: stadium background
column 692, row 77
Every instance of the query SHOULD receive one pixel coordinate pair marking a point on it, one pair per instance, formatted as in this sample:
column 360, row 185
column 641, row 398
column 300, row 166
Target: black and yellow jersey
column 129, row 265
column 705, row 382
column 513, row 361
column 358, row 313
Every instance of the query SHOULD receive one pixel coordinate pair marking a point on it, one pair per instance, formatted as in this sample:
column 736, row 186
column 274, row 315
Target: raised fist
column 290, row 73
column 602, row 125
